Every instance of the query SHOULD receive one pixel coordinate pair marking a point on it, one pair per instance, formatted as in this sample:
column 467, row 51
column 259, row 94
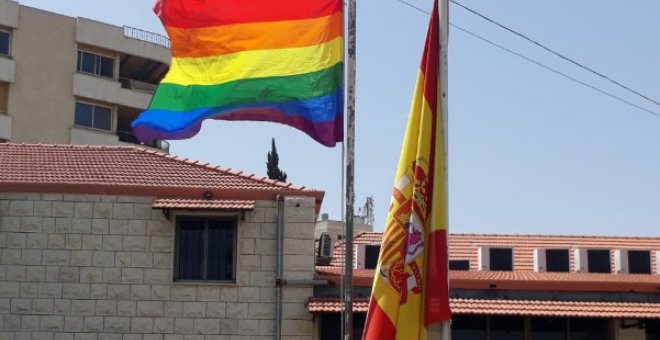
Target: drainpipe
column 279, row 279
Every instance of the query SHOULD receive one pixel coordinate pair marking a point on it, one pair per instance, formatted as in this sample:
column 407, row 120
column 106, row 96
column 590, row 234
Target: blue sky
column 529, row 151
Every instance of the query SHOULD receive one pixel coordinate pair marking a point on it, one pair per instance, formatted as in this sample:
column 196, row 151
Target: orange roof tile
column 202, row 204
column 515, row 307
column 520, row 280
column 128, row 170
column 465, row 246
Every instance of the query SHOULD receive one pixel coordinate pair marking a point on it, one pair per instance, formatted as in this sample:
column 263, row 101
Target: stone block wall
column 95, row 267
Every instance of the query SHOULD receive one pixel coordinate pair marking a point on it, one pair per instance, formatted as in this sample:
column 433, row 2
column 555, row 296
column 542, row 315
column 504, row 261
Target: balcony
column 87, row 136
column 129, row 138
column 125, row 116
column 7, row 70
column 123, row 40
column 108, row 91
column 137, row 85
column 5, row 126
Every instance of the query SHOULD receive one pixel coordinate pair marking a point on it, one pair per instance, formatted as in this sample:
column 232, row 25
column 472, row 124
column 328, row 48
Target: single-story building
column 522, row 287
column 127, row 243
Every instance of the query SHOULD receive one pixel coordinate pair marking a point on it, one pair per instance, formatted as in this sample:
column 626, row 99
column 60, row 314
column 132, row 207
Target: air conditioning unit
column 324, row 250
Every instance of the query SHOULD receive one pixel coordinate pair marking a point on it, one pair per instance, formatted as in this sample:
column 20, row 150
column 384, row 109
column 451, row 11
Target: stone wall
column 92, row 267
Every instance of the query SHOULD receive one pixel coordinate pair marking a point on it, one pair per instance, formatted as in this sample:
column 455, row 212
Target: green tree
column 273, row 164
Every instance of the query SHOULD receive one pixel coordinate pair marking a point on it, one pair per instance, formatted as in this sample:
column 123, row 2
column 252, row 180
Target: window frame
column 630, row 261
column 492, row 259
column 368, row 249
column 594, row 268
column 98, row 61
column 458, row 264
column 550, row 251
column 94, row 105
column 10, row 34
column 230, row 217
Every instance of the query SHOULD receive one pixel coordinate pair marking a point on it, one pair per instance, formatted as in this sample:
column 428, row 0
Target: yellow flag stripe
column 254, row 64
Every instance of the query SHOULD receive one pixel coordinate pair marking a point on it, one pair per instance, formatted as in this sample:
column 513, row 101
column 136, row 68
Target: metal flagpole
column 443, row 16
column 443, row 330
column 350, row 171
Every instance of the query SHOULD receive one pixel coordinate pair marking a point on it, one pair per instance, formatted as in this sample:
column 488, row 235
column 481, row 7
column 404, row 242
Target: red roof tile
column 202, row 204
column 129, row 170
column 465, row 246
column 516, row 308
column 521, row 280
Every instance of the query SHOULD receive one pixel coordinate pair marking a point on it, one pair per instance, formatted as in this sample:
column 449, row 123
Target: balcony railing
column 142, row 35
column 128, row 137
column 137, row 85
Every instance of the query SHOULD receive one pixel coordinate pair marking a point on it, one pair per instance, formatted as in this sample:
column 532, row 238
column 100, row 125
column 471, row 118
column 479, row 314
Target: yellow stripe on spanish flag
column 410, row 289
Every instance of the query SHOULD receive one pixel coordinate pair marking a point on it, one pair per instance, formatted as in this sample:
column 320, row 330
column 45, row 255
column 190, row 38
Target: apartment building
column 72, row 80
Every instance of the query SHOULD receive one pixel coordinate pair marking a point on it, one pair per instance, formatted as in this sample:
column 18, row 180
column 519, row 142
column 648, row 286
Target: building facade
column 125, row 243
column 520, row 287
column 74, row 80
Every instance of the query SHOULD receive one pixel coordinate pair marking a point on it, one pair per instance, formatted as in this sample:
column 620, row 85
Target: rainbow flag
column 260, row 60
column 410, row 289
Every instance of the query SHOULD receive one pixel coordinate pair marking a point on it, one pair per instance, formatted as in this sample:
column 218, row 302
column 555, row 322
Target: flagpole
column 443, row 16
column 350, row 171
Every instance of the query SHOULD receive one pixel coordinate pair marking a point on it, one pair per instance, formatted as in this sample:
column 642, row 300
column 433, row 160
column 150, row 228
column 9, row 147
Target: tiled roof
column 202, row 204
column 520, row 280
column 335, row 305
column 516, row 308
column 465, row 246
column 129, row 170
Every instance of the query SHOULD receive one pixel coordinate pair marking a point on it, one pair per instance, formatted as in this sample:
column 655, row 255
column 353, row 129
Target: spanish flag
column 410, row 289
column 260, row 60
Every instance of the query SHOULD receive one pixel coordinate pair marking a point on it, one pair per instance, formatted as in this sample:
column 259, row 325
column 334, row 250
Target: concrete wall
column 40, row 98
column 79, row 267
column 9, row 13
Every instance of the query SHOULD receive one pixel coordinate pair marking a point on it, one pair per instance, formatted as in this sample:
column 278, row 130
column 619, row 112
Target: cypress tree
column 272, row 166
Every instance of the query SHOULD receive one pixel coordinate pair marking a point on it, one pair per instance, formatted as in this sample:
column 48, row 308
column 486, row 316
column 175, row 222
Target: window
column 93, row 116
column 205, row 249
column 501, row 259
column 507, row 328
column 4, row 97
column 599, row 261
column 639, row 262
column 459, row 264
column 557, row 260
column 589, row 329
column 549, row 328
column 469, row 327
column 5, row 43
column 95, row 64
column 371, row 257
